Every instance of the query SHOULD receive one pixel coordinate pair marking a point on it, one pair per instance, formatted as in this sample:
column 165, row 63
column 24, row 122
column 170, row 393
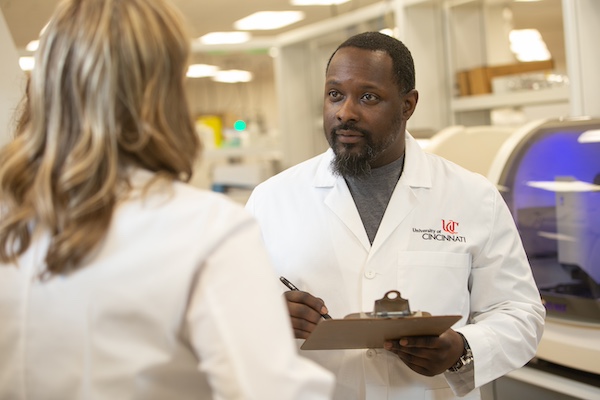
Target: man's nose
column 348, row 111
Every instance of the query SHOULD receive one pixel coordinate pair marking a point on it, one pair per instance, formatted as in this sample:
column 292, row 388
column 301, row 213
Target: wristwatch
column 465, row 359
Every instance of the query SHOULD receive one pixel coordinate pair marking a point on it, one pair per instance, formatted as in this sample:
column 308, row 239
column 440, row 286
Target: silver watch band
column 465, row 359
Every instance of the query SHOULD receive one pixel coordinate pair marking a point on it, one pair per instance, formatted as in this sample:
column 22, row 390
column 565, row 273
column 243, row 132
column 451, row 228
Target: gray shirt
column 372, row 194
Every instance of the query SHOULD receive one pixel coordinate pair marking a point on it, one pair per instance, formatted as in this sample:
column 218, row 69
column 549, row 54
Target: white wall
column 583, row 62
column 423, row 35
column 12, row 81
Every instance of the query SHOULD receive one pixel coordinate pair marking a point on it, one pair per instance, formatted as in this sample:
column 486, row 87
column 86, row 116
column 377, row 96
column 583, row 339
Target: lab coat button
column 371, row 353
column 370, row 274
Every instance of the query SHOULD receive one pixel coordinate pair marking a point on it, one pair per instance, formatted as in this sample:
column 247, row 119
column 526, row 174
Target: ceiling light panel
column 267, row 20
column 225, row 37
column 33, row 45
column 232, row 76
column 26, row 63
column 201, row 70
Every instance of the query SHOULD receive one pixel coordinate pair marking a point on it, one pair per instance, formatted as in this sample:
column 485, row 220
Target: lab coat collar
column 416, row 174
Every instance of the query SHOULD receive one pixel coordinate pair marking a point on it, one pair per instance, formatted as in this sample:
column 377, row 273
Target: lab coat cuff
column 462, row 381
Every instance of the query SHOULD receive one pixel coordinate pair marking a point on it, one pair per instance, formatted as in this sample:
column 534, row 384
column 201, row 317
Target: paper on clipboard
column 391, row 319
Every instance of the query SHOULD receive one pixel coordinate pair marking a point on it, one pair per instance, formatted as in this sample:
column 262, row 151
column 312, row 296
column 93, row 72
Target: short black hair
column 402, row 62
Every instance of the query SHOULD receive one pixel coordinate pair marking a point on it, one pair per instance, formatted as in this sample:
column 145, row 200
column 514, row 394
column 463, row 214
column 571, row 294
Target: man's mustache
column 350, row 127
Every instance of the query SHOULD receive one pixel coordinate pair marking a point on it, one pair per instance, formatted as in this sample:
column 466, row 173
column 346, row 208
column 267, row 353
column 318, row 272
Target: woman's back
column 118, row 280
column 169, row 291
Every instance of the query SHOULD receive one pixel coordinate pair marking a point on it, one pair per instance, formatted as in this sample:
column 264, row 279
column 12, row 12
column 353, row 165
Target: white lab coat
column 478, row 270
column 179, row 302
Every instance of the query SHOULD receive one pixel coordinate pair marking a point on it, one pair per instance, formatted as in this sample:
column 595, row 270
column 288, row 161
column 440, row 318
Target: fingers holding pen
column 305, row 311
column 304, row 298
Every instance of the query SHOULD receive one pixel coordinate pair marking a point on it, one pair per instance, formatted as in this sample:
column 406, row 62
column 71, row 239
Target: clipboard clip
column 391, row 305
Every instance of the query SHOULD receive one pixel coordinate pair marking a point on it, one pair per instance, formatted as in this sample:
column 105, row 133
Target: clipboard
column 391, row 319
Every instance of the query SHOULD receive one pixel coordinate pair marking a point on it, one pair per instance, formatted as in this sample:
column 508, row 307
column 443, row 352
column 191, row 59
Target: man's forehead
column 359, row 52
column 360, row 62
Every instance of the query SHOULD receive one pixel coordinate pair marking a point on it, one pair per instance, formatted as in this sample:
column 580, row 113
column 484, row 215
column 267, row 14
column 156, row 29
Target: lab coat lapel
column 416, row 174
column 340, row 201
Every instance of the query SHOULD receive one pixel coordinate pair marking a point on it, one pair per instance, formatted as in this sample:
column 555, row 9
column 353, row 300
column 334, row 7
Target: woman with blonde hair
column 117, row 279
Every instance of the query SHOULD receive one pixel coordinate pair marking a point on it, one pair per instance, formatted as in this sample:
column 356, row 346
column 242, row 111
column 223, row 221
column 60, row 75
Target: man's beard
column 350, row 164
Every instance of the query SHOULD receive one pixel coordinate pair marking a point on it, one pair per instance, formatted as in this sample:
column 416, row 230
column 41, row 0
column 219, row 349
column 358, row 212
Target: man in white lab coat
column 376, row 213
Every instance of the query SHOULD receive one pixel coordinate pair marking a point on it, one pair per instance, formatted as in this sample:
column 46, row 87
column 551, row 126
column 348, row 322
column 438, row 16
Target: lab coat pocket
column 437, row 282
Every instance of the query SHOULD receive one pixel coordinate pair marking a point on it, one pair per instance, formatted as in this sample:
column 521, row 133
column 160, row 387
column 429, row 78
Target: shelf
column 511, row 99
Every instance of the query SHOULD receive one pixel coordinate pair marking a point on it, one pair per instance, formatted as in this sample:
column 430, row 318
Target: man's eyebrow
column 365, row 86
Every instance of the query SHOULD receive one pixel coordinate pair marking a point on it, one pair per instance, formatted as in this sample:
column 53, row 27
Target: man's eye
column 369, row 97
column 334, row 95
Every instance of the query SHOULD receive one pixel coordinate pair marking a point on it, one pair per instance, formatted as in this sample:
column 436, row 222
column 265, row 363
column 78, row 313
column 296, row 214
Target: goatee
column 350, row 165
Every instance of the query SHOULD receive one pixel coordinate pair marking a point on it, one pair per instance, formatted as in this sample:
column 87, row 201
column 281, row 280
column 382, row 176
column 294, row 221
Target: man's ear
column 409, row 100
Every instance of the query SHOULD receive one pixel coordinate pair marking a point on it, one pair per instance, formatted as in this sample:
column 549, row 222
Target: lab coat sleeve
column 240, row 329
column 507, row 316
column 251, row 203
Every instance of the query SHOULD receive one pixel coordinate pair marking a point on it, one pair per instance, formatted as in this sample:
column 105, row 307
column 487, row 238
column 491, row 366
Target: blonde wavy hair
column 107, row 93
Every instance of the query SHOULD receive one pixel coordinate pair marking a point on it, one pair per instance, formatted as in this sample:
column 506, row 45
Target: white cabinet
column 583, row 60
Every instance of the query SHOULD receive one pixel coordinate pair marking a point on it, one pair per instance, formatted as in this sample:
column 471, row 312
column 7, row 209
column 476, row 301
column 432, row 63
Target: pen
column 291, row 286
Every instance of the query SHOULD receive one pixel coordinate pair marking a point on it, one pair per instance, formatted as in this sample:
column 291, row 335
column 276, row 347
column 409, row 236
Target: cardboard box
column 462, row 83
column 519, row 68
column 479, row 80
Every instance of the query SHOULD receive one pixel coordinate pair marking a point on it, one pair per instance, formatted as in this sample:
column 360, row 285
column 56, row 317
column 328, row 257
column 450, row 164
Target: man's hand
column 305, row 311
column 428, row 355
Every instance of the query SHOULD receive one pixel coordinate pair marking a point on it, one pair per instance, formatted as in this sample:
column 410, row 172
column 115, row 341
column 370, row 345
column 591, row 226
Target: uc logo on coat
column 449, row 226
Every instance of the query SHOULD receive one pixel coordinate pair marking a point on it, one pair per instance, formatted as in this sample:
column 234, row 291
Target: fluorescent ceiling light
column 26, row 63
column 591, row 136
column 225, row 37
column 265, row 20
column 232, row 76
column 33, row 45
column 201, row 70
column 317, row 2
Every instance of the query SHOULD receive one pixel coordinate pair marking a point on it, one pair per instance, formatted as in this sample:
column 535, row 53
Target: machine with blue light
column 549, row 175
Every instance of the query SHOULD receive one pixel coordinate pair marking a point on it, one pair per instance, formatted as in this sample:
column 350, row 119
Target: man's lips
column 348, row 136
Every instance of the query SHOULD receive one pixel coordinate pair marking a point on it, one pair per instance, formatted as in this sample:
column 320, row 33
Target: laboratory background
column 509, row 89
